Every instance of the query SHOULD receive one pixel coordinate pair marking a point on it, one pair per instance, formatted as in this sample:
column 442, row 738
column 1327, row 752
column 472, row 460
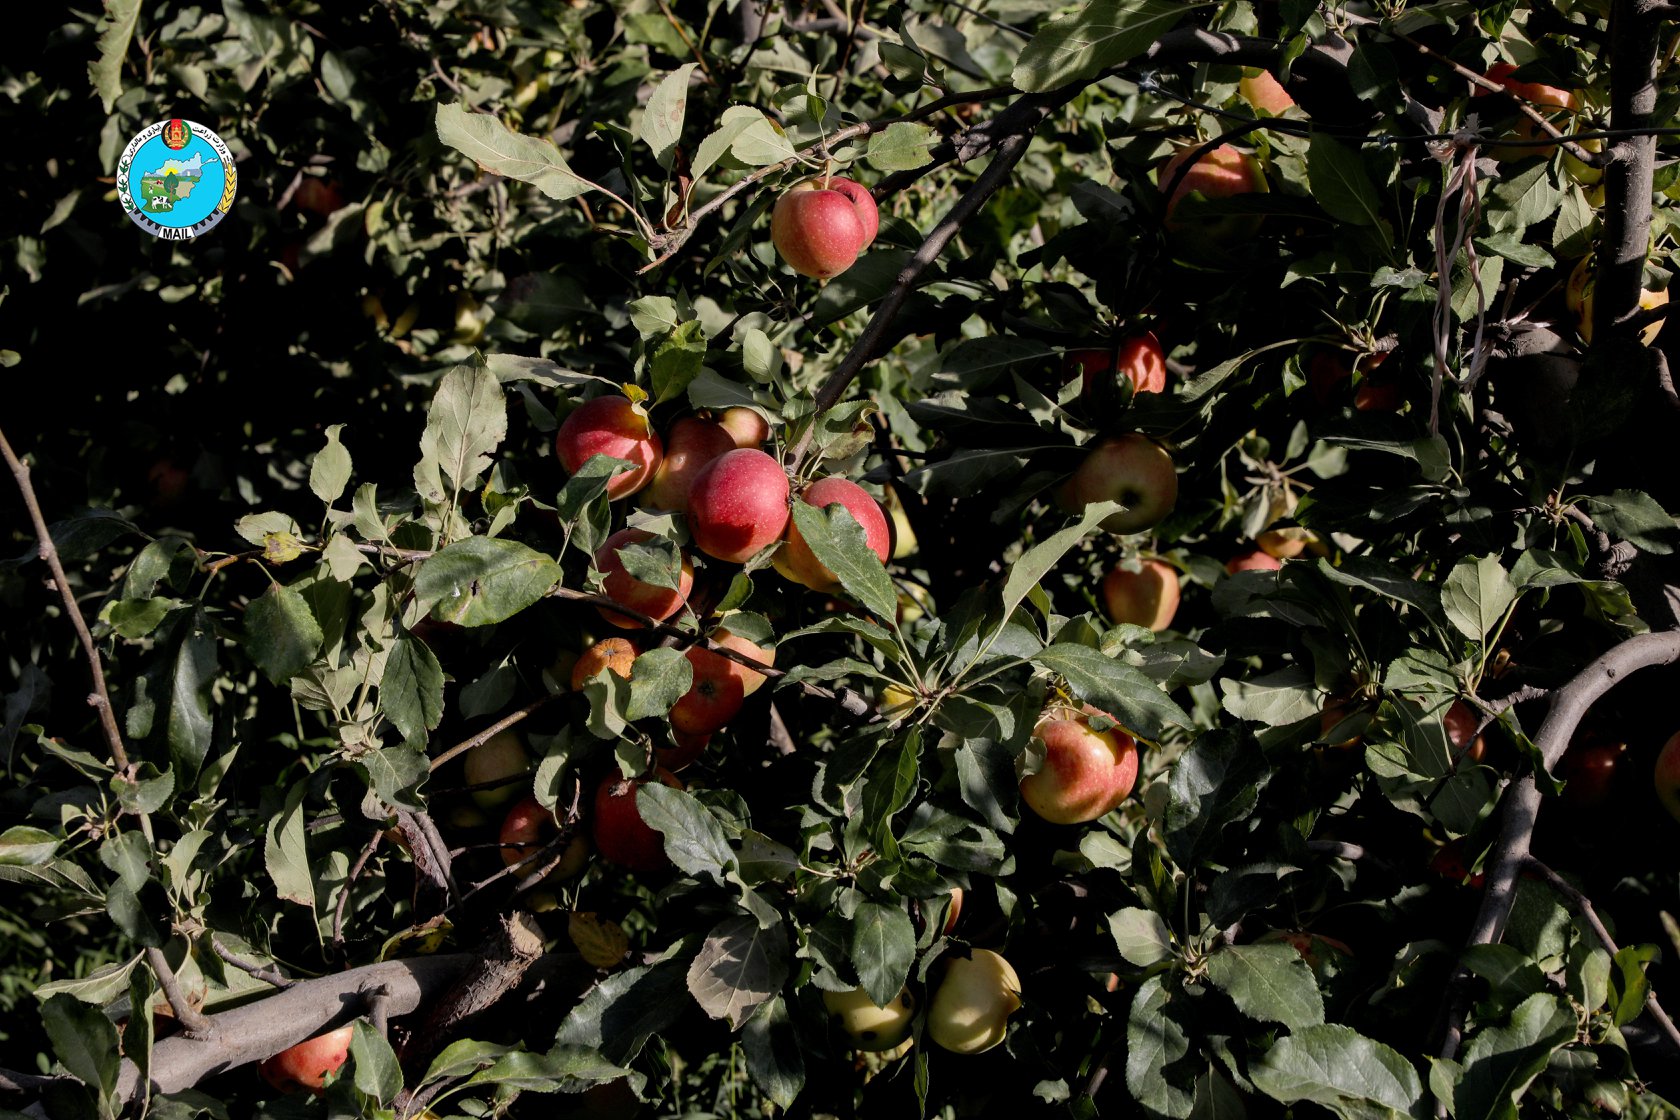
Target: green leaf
column 377, row 1073
column 1103, row 33
column 116, row 31
column 189, row 726
column 483, row 580
column 761, row 141
column 739, row 966
column 775, row 1059
column 1275, row 699
column 1115, row 687
column 662, row 121
column 1336, row 173
column 1213, row 784
column 281, row 635
column 1635, row 517
column 1268, row 982
column 676, row 361
column 329, row 474
column 461, row 1058
column 501, row 151
column 694, row 839
column 1037, row 561
column 85, row 1043
column 24, row 846
column 735, row 120
column 901, row 146
column 1141, row 936
column 284, row 853
column 1335, row 1066
column 882, row 947
column 564, row 1069
column 411, row 691
column 1155, row 1039
column 275, row 533
column 466, row 421
column 618, row 1015
column 1501, row 1062
column 1475, row 596
column 839, row 544
column 659, row 679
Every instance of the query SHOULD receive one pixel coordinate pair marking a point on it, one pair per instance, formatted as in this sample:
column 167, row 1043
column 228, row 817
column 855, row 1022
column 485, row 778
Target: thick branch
column 1522, row 802
column 497, row 967
column 1629, row 163
column 101, row 698
column 260, row 1030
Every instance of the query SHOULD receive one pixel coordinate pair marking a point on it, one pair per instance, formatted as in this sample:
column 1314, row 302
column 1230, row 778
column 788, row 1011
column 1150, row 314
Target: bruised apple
column 970, row 1010
column 621, row 836
column 308, row 1065
column 1131, row 469
column 797, row 562
column 869, row 1026
column 1086, row 772
column 614, row 426
column 1146, row 597
column 738, row 505
column 658, row 603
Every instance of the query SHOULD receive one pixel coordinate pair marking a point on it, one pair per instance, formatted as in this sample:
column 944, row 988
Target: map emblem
column 176, row 180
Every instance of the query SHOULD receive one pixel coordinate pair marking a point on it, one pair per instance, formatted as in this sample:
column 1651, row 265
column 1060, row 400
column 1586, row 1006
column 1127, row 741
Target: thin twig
column 350, row 881
column 190, row 1017
column 874, row 334
column 1584, row 907
column 101, row 697
column 250, row 968
column 494, row 729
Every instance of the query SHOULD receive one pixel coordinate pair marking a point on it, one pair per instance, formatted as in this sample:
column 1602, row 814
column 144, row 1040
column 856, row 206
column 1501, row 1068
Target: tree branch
column 101, row 698
column 262, row 1029
column 1522, row 800
column 1628, row 167
column 495, row 729
column 250, row 968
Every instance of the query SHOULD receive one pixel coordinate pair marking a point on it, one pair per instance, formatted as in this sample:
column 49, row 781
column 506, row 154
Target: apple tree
column 721, row 558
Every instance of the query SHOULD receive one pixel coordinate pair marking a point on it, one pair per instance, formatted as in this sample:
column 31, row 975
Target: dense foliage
column 303, row 476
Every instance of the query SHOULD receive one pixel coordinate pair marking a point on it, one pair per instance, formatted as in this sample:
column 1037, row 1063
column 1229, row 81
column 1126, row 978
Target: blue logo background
column 201, row 200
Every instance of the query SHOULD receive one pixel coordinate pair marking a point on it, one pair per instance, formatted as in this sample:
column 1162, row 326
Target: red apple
column 685, row 749
column 1139, row 361
column 1086, row 773
column 626, row 590
column 1449, row 862
column 713, row 699
column 1588, row 771
column 1225, row 172
column 621, row 836
column 1131, row 469
column 1253, row 560
column 1264, row 92
column 745, row 426
column 527, row 827
column 869, row 216
column 614, row 426
column 1461, row 721
column 1666, row 780
column 751, row 679
column 689, row 445
column 309, row 1064
column 819, row 232
column 797, row 562
column 1146, row 597
column 1545, row 96
column 738, row 505
column 610, row 654
column 1314, row 948
column 318, row 196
